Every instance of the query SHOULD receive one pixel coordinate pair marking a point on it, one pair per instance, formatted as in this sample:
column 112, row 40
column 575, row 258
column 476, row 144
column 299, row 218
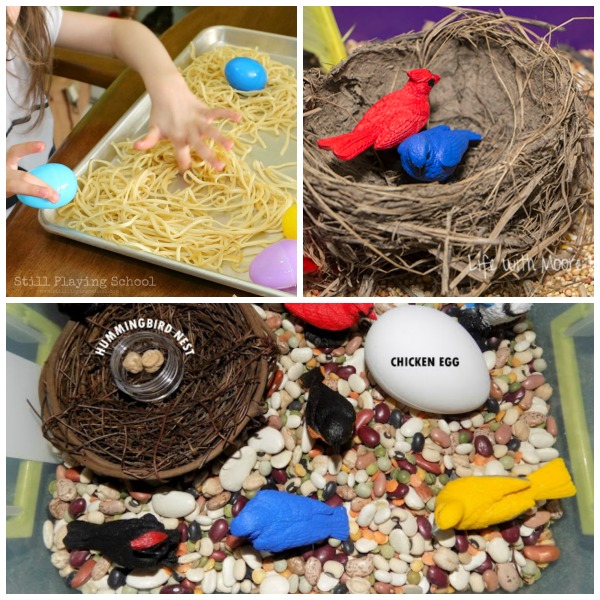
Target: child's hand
column 181, row 117
column 22, row 182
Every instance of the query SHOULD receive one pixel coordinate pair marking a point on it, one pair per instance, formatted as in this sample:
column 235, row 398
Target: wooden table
column 41, row 264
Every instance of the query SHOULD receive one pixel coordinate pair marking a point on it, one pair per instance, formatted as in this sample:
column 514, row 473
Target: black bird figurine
column 131, row 543
column 79, row 311
column 481, row 320
column 328, row 415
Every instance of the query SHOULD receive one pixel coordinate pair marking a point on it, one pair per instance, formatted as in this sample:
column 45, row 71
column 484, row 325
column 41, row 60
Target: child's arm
column 176, row 113
column 22, row 182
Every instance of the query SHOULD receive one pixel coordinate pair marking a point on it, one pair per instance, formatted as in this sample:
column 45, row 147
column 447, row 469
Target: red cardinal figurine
column 390, row 120
column 332, row 317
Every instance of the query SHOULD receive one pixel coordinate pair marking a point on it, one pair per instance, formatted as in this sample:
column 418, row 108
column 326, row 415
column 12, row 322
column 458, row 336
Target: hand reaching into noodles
column 180, row 116
column 176, row 113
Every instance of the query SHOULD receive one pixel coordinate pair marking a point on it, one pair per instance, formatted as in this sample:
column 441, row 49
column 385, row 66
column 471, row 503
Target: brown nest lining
column 223, row 385
column 505, row 209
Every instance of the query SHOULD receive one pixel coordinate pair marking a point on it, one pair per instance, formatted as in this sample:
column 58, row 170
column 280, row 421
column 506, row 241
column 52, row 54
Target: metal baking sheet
column 134, row 122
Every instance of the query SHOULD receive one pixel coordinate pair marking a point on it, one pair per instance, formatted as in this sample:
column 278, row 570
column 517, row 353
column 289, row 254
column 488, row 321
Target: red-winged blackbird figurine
column 327, row 322
column 131, row 543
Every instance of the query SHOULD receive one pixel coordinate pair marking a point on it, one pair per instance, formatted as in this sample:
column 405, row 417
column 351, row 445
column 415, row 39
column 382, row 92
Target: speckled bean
column 508, row 577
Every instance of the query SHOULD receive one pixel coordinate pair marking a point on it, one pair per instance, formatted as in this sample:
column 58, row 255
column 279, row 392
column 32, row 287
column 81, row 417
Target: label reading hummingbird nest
column 425, row 361
column 157, row 325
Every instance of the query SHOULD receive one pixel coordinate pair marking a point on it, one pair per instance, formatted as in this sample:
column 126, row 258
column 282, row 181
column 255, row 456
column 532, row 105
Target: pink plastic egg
column 275, row 266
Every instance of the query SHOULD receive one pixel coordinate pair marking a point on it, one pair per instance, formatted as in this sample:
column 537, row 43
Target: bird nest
column 493, row 226
column 223, row 385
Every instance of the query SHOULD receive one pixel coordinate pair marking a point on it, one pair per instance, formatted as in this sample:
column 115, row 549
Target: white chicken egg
column 426, row 360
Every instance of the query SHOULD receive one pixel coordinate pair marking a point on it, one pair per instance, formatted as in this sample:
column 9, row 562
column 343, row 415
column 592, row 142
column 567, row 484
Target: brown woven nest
column 489, row 228
column 223, row 385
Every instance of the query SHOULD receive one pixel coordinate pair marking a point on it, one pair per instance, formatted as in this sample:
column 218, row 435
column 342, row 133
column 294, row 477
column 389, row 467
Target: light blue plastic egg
column 275, row 266
column 245, row 74
column 59, row 178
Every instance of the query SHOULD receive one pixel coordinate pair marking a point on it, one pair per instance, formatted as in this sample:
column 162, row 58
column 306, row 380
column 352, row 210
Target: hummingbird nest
column 85, row 415
column 496, row 226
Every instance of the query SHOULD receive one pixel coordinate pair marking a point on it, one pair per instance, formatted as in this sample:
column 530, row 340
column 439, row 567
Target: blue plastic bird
column 434, row 154
column 275, row 521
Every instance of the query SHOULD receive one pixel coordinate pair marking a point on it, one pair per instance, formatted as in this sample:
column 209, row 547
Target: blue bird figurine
column 275, row 521
column 434, row 154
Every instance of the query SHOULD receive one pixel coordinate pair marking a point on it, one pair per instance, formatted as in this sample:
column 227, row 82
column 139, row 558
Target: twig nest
column 503, row 212
column 228, row 356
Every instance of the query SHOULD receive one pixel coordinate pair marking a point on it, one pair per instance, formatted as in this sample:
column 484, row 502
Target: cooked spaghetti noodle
column 206, row 218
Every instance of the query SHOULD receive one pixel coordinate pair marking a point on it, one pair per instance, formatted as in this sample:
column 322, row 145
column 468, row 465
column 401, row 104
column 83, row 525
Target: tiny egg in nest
column 132, row 363
column 150, row 361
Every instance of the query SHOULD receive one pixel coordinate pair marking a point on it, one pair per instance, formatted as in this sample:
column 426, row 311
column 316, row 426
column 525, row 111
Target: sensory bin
column 387, row 479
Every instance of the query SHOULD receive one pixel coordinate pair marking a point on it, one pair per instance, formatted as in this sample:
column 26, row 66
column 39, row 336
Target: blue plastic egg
column 275, row 266
column 59, row 178
column 245, row 74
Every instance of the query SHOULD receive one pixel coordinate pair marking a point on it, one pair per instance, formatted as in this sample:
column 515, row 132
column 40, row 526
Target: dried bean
column 532, row 538
column 490, row 580
column 363, row 417
column 345, row 372
column 428, row 466
column 440, row 437
column 218, row 530
column 483, row 446
column 116, row 578
column 510, row 532
column 514, row 397
column 418, row 442
column 534, row 381
column 395, row 419
column 84, row 573
column 382, row 413
column 462, row 543
column 368, row 436
column 437, row 576
column 78, row 557
column 238, row 505
column 175, row 589
column 542, row 554
column 324, row 553
column 424, row 527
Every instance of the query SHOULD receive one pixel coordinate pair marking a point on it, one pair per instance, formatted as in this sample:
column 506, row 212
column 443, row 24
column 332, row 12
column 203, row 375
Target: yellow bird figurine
column 477, row 502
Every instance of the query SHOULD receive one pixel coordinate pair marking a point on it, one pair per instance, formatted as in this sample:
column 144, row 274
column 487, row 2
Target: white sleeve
column 54, row 19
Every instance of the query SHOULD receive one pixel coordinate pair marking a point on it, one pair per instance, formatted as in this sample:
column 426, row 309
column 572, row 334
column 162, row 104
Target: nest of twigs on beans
column 489, row 228
column 223, row 386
